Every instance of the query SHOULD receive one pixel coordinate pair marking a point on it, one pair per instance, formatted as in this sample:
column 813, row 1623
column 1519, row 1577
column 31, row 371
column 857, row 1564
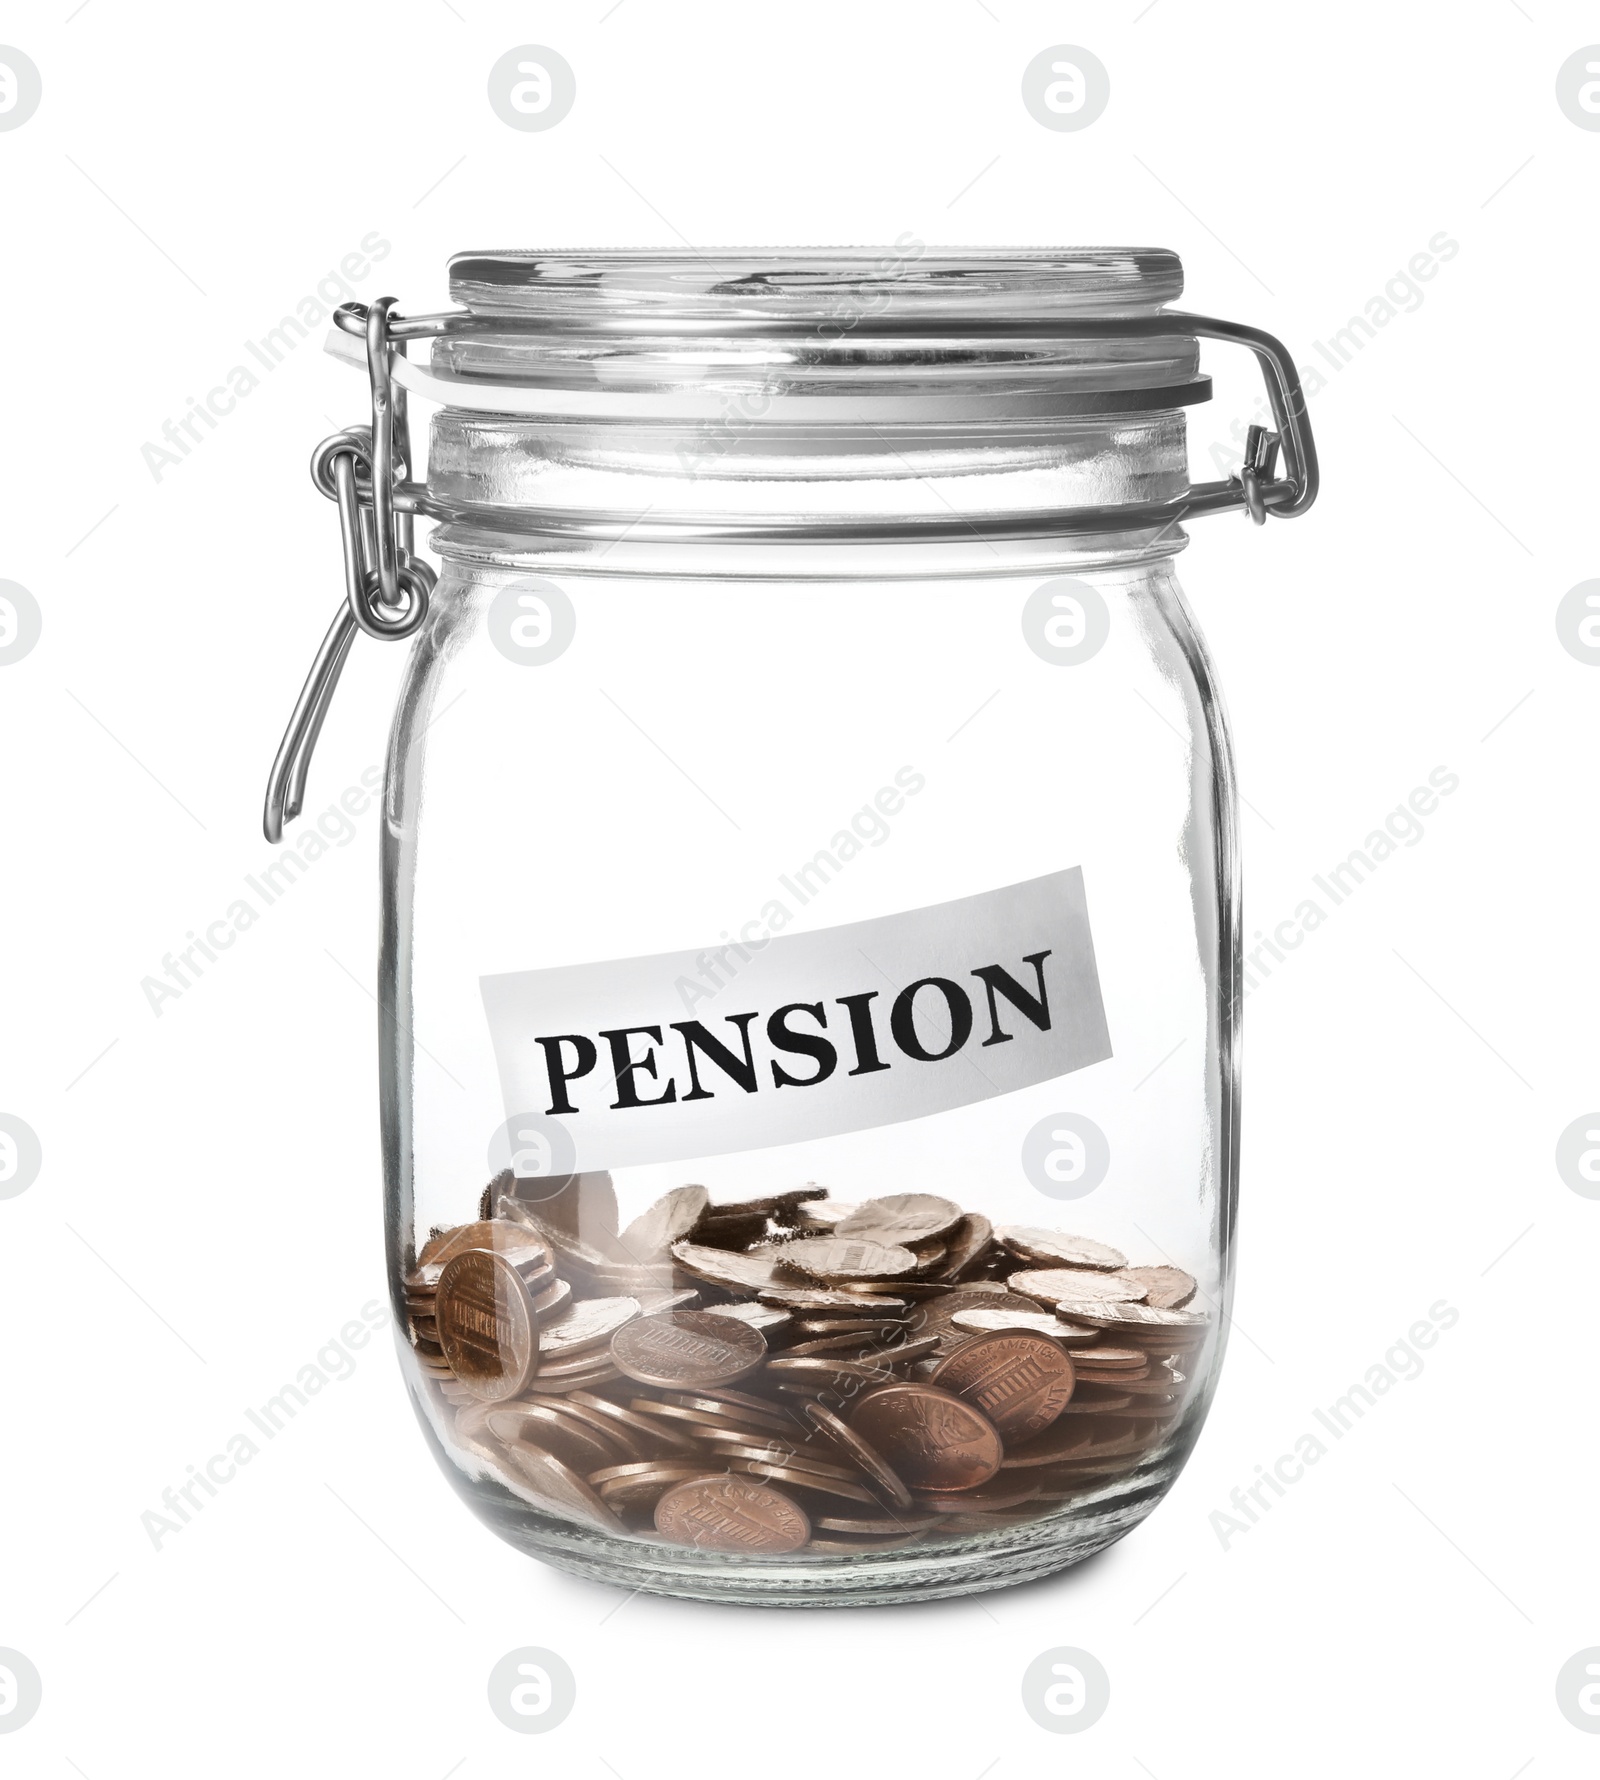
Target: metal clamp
column 387, row 586
column 367, row 472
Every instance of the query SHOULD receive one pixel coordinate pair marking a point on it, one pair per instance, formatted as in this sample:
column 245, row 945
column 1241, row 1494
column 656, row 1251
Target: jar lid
column 889, row 335
column 804, row 286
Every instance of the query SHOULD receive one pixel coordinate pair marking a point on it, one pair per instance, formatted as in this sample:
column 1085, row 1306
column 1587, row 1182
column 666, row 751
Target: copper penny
column 559, row 1489
column 809, row 1480
column 488, row 1327
column 687, row 1347
column 572, row 1442
column 866, row 1457
column 1047, row 1246
column 901, row 1218
column 932, row 1439
column 1020, row 1380
column 838, row 1258
column 966, row 1245
column 630, row 1423
column 669, row 1220
column 725, row 1267
column 935, row 1316
column 1131, row 1319
column 1167, row 1288
column 492, row 1233
column 731, row 1514
column 819, row 1301
column 1053, row 1285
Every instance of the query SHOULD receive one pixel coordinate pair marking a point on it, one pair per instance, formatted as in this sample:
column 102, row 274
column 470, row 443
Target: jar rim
column 808, row 286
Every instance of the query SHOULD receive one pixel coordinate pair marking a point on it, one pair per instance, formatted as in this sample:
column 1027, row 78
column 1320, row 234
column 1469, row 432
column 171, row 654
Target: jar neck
column 499, row 473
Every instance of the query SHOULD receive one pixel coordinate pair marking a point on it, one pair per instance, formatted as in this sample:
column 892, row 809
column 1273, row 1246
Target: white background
column 207, row 1214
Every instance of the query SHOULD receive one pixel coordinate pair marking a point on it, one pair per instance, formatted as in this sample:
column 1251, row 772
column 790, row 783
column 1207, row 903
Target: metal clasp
column 386, row 585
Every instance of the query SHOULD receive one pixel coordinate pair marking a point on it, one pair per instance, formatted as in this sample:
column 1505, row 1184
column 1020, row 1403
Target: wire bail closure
column 387, row 586
column 366, row 472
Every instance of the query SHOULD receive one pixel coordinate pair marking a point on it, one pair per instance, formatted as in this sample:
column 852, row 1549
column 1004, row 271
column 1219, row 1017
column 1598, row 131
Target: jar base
column 970, row 1564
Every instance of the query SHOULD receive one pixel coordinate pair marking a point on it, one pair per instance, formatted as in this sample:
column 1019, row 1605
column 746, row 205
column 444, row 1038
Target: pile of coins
column 786, row 1374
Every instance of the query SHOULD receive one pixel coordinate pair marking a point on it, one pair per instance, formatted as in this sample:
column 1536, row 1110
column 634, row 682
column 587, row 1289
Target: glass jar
column 810, row 907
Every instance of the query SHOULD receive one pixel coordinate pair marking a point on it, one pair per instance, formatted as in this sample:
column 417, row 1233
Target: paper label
column 812, row 1034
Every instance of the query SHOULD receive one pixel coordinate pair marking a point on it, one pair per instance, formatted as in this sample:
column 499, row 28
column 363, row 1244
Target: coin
column 810, row 1480
column 984, row 1321
column 571, row 1442
column 629, row 1443
column 932, row 1439
column 820, row 1367
column 552, row 1298
column 1021, row 1381
column 644, row 1487
column 1008, row 1490
column 584, row 1324
column 1046, row 1246
column 1067, row 1439
column 651, row 1301
column 886, row 1526
column 687, row 1347
column 725, row 1267
column 669, row 1220
column 850, row 1325
column 906, row 1218
column 936, row 1316
column 705, row 1424
column 488, row 1327
column 561, row 1491
column 765, row 1317
column 635, row 1424
column 731, row 1514
column 1055, row 1285
column 1106, row 1354
column 837, row 1258
column 864, row 1455
column 491, row 1233
column 967, row 1244
column 817, row 1215
column 1167, row 1288
column 817, row 1300
column 720, row 1400
column 1129, row 1318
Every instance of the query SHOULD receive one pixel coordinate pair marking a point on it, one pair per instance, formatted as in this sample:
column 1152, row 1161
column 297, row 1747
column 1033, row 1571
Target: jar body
column 711, row 756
